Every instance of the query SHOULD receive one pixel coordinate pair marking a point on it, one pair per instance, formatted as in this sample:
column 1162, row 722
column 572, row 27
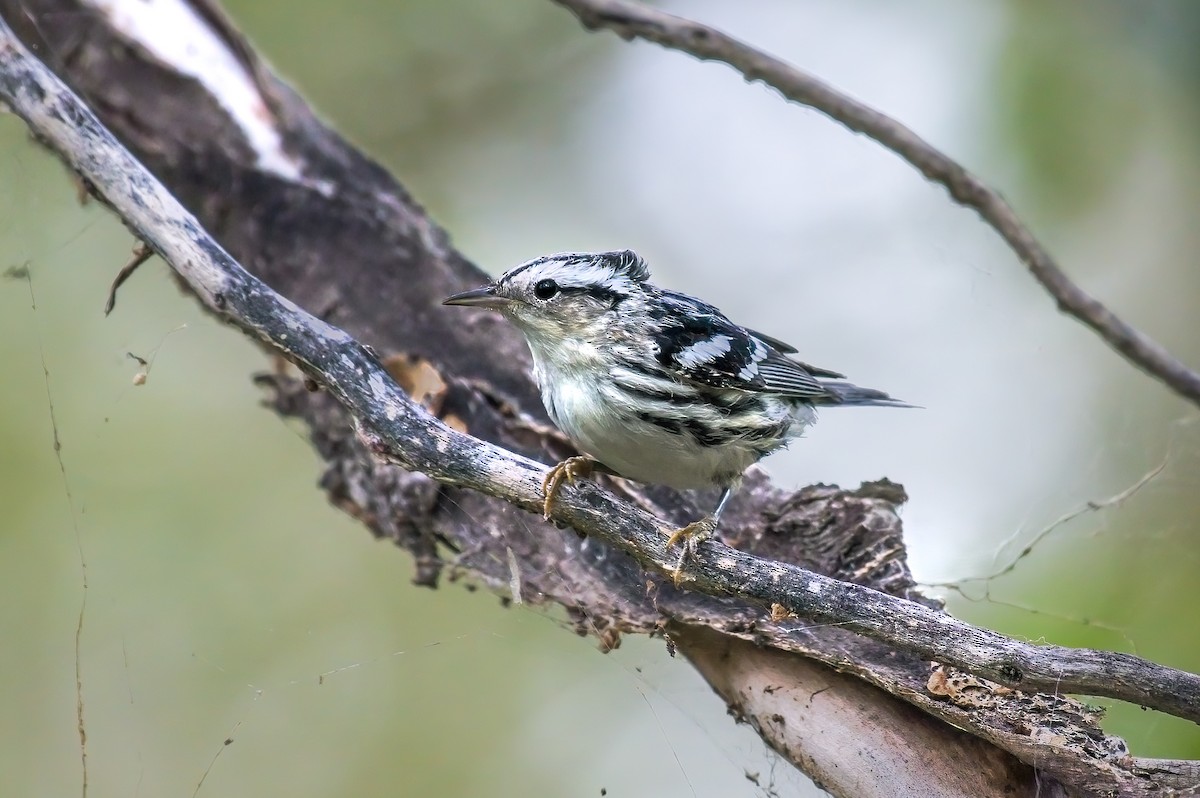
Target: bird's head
column 570, row 295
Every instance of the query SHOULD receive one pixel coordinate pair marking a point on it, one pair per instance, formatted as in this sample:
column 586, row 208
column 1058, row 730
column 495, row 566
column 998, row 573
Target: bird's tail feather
column 845, row 393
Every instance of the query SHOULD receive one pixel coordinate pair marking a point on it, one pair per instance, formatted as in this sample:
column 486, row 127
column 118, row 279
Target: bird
column 654, row 385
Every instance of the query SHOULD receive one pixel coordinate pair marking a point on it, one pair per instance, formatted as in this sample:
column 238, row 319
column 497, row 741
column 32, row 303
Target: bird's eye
column 544, row 289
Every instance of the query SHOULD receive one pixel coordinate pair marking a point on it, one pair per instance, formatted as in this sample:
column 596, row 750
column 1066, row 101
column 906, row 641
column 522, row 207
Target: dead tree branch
column 631, row 20
column 398, row 429
column 318, row 220
column 395, row 427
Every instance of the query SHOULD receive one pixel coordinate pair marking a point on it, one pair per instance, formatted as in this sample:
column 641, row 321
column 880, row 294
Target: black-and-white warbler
column 654, row 385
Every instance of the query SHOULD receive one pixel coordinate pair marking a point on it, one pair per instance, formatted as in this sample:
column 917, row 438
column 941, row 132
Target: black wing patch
column 697, row 342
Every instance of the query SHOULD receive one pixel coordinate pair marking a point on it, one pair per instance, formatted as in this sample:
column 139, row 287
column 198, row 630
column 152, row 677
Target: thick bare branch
column 825, row 714
column 631, row 20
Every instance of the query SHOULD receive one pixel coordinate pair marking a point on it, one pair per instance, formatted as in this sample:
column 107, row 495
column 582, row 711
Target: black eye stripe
column 605, row 295
column 601, row 294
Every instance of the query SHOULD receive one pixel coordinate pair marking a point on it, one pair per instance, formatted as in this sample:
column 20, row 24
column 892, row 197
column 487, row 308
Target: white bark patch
column 174, row 34
column 382, row 390
column 514, row 576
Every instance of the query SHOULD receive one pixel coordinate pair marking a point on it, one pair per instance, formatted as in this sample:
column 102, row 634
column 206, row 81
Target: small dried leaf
column 418, row 378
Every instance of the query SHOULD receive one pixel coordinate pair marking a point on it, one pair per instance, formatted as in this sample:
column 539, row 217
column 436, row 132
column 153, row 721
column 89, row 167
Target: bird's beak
column 485, row 297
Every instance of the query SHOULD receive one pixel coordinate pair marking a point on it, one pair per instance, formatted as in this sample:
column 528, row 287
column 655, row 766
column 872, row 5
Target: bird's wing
column 696, row 342
column 782, row 346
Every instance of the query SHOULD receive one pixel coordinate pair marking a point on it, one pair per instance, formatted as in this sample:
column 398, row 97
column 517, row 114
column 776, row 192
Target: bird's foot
column 566, row 471
column 691, row 535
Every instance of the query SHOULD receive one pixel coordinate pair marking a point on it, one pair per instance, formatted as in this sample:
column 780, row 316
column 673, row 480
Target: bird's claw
column 691, row 536
column 566, row 471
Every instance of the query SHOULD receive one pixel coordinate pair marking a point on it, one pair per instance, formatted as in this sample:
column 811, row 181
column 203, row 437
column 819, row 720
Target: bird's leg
column 698, row 530
column 567, row 471
column 693, row 533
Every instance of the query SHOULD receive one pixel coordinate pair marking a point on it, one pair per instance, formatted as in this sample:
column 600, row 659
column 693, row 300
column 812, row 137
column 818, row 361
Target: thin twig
column 631, row 20
column 23, row 272
column 397, row 429
column 141, row 254
column 1090, row 506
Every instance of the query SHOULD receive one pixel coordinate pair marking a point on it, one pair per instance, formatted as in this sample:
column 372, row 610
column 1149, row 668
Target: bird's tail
column 845, row 393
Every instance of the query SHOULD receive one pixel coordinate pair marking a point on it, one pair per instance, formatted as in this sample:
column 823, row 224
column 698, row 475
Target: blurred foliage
column 227, row 600
column 1074, row 119
column 1079, row 81
column 1165, row 31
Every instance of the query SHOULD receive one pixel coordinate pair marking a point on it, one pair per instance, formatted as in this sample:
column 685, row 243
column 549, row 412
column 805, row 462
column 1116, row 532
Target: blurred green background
column 221, row 587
